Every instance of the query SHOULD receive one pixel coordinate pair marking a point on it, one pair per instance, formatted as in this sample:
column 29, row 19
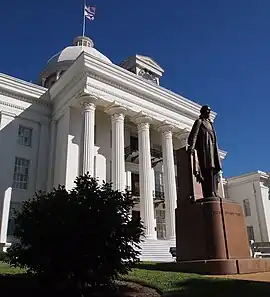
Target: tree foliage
column 80, row 238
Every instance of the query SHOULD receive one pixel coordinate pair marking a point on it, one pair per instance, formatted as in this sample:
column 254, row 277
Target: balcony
column 132, row 155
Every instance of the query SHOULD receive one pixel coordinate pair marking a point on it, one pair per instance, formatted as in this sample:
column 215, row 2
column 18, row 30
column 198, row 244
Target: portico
column 118, row 119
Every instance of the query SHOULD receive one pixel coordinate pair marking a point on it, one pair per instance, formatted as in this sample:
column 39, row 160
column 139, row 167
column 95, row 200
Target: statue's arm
column 193, row 134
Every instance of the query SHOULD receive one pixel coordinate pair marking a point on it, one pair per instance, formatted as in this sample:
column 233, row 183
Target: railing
column 159, row 195
column 134, row 148
column 156, row 153
column 130, row 149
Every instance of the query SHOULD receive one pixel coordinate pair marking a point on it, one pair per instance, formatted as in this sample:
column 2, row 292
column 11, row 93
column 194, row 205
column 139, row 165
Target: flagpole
column 84, row 18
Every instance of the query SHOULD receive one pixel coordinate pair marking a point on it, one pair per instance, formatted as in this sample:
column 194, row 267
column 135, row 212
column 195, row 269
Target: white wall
column 37, row 153
column 15, row 112
column 251, row 190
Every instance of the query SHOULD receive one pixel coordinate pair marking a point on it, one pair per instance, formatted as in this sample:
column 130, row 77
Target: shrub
column 3, row 256
column 83, row 238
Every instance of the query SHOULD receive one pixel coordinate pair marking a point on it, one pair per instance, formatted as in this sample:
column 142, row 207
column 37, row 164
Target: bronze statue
column 202, row 138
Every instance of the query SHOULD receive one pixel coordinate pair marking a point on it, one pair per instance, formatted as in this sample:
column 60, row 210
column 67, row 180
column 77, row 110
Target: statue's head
column 205, row 112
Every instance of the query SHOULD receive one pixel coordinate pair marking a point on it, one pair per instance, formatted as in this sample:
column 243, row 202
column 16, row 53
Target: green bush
column 3, row 256
column 80, row 239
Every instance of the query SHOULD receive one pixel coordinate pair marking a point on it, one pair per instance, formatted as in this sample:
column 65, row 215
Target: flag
column 89, row 12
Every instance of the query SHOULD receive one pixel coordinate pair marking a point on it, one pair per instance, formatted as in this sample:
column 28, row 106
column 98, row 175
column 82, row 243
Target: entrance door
column 161, row 225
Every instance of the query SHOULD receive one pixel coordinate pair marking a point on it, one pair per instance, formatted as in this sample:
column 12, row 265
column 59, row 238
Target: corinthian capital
column 116, row 110
column 89, row 101
column 166, row 127
column 141, row 118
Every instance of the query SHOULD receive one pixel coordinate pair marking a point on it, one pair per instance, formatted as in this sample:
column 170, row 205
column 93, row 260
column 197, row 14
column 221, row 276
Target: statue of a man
column 202, row 138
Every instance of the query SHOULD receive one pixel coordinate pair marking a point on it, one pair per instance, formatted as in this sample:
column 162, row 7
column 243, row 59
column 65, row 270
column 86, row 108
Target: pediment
column 150, row 62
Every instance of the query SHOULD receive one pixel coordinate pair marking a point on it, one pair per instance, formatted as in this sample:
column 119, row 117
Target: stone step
column 156, row 250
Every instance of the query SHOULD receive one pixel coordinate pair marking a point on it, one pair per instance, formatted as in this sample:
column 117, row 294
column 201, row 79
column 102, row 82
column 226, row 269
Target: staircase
column 157, row 250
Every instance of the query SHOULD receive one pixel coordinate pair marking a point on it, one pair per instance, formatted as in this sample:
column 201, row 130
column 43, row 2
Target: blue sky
column 213, row 52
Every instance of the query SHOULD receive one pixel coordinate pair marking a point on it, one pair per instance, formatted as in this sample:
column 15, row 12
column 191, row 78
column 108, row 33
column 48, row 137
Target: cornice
column 127, row 81
column 157, row 115
column 21, row 90
column 5, row 103
column 149, row 62
column 67, row 87
column 257, row 176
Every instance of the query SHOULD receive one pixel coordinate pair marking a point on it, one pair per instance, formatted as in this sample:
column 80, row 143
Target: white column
column 88, row 136
column 118, row 145
column 146, row 178
column 5, row 215
column 169, row 179
column 51, row 156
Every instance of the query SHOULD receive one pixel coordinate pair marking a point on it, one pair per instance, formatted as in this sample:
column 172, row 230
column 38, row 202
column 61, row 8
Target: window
column 250, row 232
column 21, row 173
column 159, row 191
column 24, row 136
column 247, row 210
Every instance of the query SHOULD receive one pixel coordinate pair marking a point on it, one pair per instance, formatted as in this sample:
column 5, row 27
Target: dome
column 60, row 62
column 71, row 53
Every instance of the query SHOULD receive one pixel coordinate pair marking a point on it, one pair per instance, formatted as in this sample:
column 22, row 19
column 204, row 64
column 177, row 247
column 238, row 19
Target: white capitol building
column 115, row 121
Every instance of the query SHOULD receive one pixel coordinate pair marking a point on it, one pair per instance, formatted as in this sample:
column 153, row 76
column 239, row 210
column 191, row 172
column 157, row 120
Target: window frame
column 246, row 207
column 21, row 137
column 21, row 178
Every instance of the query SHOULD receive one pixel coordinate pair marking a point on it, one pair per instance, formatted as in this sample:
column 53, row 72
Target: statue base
column 211, row 238
column 218, row 266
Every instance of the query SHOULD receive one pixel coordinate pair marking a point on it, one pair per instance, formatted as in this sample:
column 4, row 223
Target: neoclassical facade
column 86, row 114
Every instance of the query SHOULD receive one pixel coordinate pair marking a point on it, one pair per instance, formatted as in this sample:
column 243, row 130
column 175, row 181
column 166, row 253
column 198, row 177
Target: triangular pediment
column 149, row 61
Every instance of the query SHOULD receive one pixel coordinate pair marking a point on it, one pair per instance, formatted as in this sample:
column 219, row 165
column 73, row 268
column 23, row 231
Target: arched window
column 247, row 210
